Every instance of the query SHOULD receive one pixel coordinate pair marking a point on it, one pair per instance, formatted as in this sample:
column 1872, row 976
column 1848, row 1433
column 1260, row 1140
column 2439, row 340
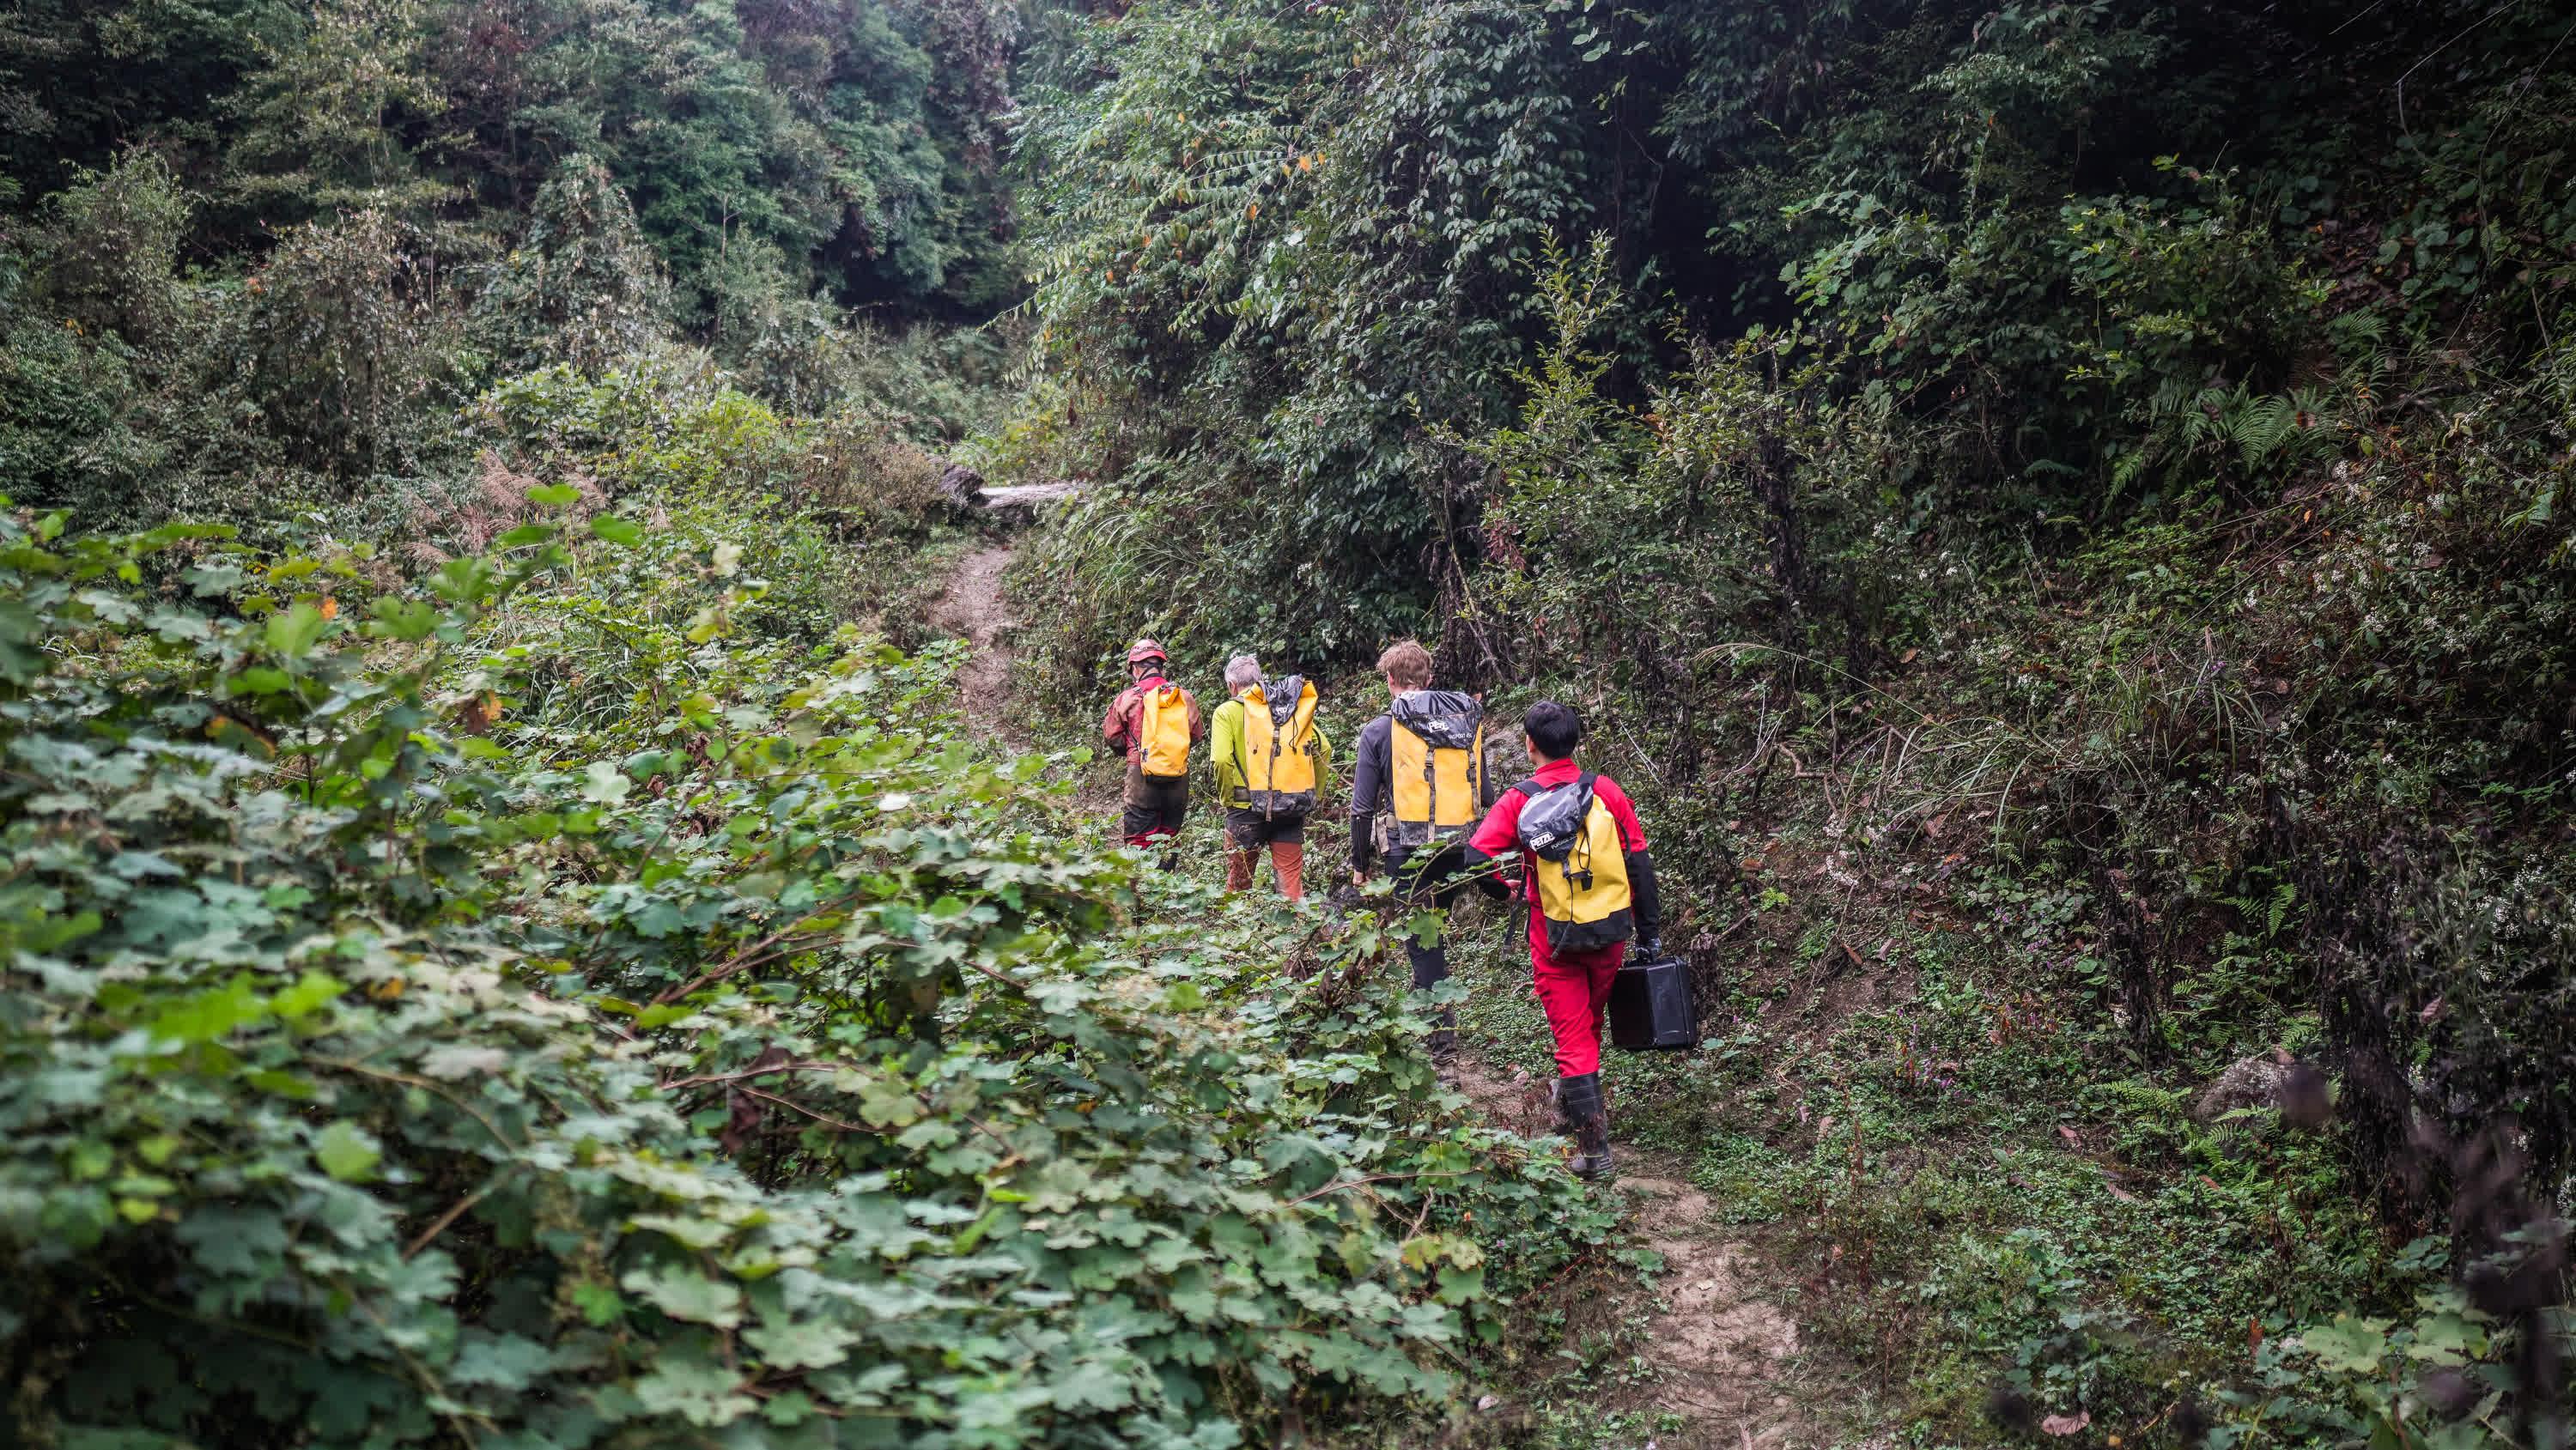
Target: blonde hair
column 1406, row 663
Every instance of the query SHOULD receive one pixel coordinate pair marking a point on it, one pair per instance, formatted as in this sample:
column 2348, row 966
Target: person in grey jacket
column 1426, row 860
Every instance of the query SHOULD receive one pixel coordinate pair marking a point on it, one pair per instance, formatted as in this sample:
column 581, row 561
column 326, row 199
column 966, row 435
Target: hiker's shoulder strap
column 1530, row 789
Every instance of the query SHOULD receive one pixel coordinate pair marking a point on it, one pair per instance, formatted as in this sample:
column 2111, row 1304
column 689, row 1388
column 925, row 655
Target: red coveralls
column 1573, row 989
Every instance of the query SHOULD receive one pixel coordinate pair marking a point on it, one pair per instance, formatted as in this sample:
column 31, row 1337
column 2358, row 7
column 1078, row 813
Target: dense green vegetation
column 2057, row 513
column 2082, row 482
column 585, row 995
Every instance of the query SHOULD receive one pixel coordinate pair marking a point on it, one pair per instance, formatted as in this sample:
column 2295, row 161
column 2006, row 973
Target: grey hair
column 1242, row 670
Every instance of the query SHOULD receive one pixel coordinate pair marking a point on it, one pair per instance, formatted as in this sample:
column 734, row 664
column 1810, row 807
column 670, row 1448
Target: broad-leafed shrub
column 537, row 1009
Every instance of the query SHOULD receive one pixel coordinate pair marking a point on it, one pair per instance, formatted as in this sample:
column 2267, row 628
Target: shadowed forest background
column 2053, row 511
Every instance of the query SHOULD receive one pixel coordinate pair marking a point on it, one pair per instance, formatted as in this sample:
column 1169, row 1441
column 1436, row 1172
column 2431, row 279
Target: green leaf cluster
column 545, row 1007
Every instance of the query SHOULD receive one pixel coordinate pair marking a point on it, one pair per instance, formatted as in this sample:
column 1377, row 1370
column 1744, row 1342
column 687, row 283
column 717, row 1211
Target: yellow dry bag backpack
column 1279, row 747
column 1436, row 767
column 1582, row 871
column 1163, row 733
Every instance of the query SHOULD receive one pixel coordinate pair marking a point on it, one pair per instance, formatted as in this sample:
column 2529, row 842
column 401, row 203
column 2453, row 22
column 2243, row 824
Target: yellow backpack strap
column 1394, row 753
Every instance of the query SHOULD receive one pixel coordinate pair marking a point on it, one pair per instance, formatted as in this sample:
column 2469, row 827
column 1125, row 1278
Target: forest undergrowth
column 583, row 998
column 2057, row 514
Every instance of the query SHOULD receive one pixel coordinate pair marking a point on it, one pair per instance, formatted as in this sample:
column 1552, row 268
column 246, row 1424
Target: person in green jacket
column 1278, row 818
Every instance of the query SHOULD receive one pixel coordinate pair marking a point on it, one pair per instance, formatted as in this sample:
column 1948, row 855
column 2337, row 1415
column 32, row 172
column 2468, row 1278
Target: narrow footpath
column 976, row 607
column 1723, row 1354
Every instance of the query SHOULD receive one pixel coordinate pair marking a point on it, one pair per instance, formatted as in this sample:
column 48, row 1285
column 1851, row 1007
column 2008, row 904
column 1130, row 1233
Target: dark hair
column 1555, row 729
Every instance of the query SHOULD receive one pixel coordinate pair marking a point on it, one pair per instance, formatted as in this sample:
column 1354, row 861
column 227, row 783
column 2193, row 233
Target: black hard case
column 1651, row 1008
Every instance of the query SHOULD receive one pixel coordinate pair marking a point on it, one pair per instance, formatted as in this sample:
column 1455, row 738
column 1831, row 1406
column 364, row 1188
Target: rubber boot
column 1583, row 1117
column 1444, row 1047
column 1430, row 969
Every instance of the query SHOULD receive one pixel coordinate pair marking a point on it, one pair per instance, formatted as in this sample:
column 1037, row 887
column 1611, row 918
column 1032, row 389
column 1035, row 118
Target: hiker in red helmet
column 1590, row 887
column 1155, row 722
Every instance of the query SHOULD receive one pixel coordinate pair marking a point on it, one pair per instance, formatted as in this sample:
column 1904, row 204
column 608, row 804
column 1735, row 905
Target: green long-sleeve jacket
column 1225, row 751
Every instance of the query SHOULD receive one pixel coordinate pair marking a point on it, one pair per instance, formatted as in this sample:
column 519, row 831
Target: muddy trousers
column 1287, row 864
column 1247, row 831
column 1154, row 808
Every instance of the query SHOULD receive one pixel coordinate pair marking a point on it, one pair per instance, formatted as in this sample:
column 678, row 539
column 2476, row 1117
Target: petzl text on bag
column 1579, row 884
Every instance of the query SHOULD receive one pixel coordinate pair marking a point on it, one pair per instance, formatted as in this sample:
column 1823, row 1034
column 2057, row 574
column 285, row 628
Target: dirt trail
column 1723, row 1351
column 974, row 606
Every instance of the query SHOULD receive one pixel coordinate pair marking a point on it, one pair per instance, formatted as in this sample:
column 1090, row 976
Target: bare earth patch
column 1724, row 1351
column 1723, row 1348
column 974, row 606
